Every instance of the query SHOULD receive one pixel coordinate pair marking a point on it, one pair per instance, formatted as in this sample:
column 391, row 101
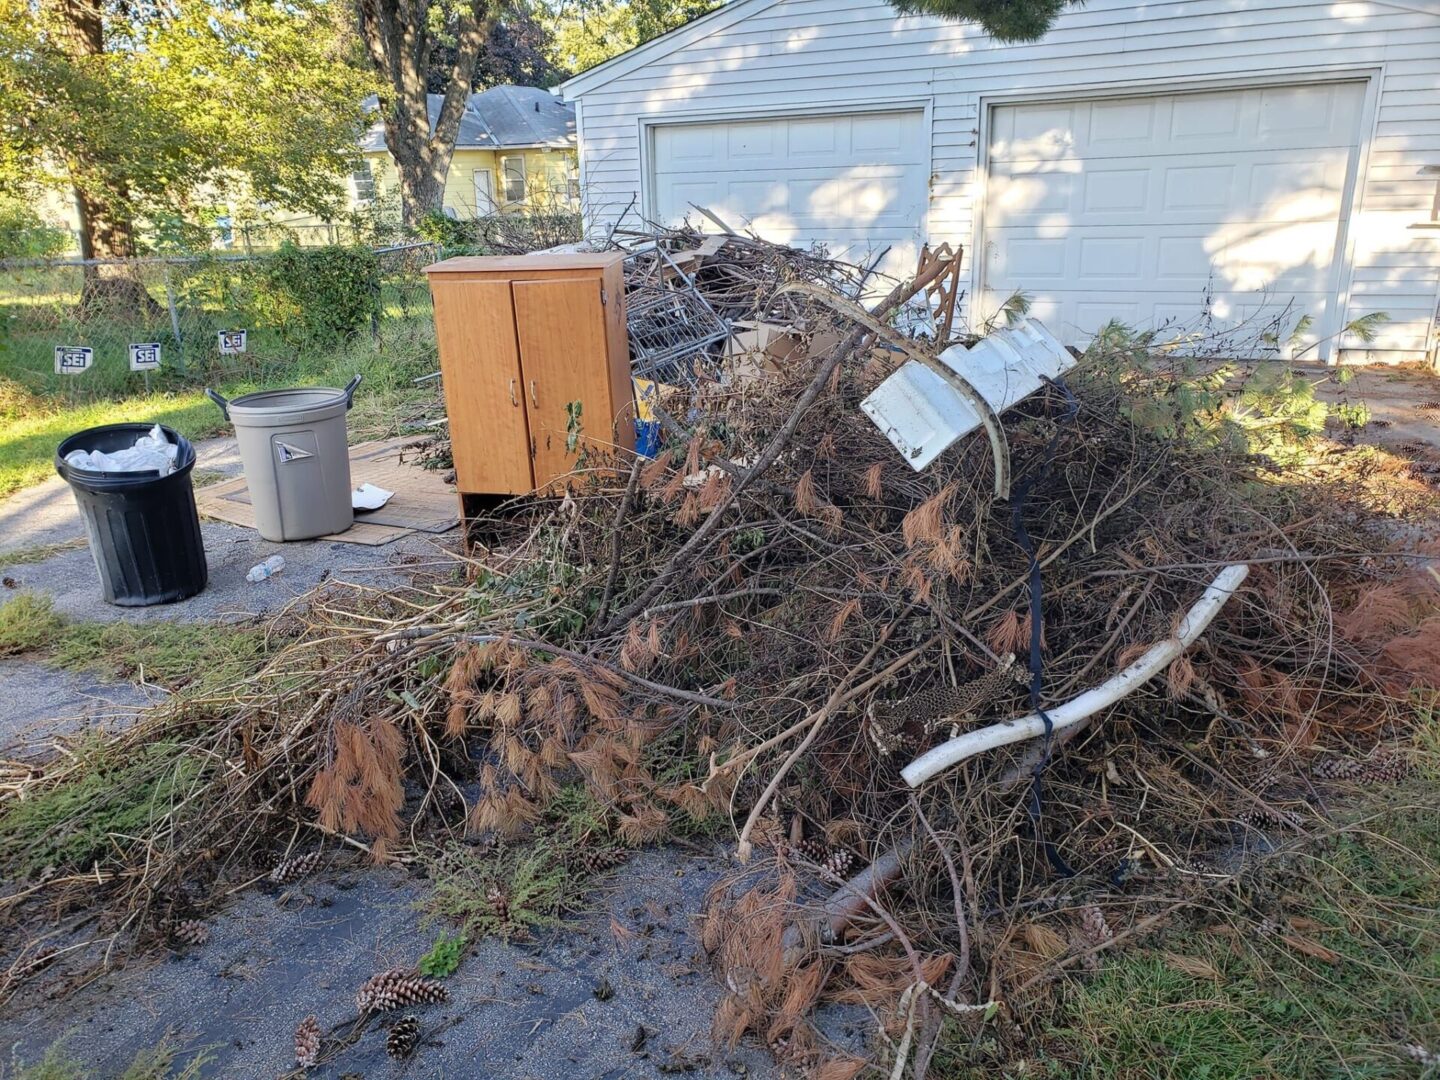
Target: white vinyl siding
column 812, row 55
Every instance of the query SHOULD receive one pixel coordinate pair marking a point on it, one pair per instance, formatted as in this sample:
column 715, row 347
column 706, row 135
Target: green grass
column 156, row 1063
column 1342, row 990
column 35, row 415
column 173, row 655
column 28, row 623
column 27, row 448
column 113, row 798
column 1369, row 899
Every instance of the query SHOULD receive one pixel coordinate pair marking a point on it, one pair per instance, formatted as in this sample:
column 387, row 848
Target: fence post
column 375, row 312
column 174, row 322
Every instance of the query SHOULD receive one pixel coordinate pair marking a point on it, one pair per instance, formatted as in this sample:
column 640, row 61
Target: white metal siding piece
column 923, row 416
column 804, row 55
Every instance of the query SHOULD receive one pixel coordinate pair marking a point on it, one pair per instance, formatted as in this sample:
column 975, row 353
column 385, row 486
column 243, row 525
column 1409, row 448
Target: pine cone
column 1386, row 766
column 396, row 987
column 834, row 862
column 288, row 870
column 1094, row 925
column 403, row 1037
column 594, row 860
column 1095, row 929
column 1337, row 768
column 186, row 931
column 307, row 1042
column 499, row 903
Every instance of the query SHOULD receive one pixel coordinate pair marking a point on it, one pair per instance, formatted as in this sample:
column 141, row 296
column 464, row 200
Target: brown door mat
column 422, row 502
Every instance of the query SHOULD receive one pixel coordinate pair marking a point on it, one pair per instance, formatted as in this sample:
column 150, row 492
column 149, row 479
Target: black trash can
column 143, row 527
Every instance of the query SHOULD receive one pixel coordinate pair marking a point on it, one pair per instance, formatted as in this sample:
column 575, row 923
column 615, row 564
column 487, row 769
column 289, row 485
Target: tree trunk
column 104, row 232
column 110, row 290
column 396, row 35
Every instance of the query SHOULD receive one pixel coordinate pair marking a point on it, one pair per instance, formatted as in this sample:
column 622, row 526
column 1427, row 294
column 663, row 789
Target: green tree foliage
column 589, row 32
column 23, row 235
column 153, row 111
column 1004, row 20
column 318, row 297
column 519, row 52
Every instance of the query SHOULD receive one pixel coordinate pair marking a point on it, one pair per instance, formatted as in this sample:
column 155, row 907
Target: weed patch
column 517, row 888
column 444, row 956
column 172, row 655
column 1331, row 969
column 154, row 1063
column 28, row 622
column 112, row 799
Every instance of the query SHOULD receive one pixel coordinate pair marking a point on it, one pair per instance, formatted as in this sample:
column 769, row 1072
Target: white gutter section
column 1155, row 660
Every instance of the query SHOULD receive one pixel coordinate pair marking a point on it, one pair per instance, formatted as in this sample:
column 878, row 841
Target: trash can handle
column 350, row 392
column 222, row 402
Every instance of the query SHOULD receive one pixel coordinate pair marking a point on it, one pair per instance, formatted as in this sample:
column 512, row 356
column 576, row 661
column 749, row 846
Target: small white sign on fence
column 73, row 359
column 145, row 356
column 232, row 342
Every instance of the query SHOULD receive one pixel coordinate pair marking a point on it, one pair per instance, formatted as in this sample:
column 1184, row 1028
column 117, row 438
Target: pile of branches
column 765, row 623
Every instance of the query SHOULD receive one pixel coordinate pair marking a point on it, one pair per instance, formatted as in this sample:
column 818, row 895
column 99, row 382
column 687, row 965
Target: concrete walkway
column 42, row 703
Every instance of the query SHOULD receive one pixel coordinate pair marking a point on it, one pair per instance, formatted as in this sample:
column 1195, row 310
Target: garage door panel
column 854, row 182
column 1076, row 316
column 1296, row 258
column 1248, row 186
column 1268, row 118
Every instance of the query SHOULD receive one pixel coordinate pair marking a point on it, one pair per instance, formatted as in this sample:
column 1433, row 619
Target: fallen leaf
column 1194, row 966
column 1310, row 948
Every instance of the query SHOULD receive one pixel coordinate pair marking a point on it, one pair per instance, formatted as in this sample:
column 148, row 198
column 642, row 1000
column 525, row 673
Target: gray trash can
column 296, row 458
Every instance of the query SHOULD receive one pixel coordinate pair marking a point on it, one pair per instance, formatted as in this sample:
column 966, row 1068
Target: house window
column 512, row 174
column 362, row 180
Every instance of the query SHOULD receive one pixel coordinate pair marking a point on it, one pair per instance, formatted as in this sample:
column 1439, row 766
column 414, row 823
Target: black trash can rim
column 184, row 458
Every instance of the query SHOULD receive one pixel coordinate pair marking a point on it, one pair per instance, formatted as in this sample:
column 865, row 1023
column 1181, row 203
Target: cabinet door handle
column 512, row 394
column 533, row 400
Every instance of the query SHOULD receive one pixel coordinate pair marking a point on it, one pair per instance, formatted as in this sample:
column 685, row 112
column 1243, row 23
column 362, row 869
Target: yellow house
column 516, row 147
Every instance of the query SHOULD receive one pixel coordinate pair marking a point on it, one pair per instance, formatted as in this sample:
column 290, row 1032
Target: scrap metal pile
column 763, row 626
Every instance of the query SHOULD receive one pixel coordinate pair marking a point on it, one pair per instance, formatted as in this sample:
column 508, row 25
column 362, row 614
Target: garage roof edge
column 726, row 15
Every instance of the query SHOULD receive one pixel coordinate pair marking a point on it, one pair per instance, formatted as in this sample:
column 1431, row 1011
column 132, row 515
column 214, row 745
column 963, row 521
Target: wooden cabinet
column 536, row 366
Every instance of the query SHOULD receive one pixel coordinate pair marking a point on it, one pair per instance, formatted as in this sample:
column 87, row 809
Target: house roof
column 502, row 117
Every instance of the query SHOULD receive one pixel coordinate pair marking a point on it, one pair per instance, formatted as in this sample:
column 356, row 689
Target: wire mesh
column 674, row 331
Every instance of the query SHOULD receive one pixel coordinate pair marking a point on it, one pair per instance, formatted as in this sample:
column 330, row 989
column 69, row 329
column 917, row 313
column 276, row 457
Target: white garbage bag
column 152, row 452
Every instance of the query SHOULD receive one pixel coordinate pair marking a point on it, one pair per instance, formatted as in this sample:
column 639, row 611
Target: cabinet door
column 480, row 363
column 565, row 360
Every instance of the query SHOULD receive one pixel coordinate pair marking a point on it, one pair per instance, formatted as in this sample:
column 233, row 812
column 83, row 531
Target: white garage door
column 855, row 182
column 1204, row 211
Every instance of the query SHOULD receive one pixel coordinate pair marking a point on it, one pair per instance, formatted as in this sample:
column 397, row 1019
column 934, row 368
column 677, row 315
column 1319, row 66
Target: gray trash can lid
column 271, row 408
column 300, row 399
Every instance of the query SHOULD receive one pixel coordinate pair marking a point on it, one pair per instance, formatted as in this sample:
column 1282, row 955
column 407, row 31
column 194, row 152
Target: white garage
column 1210, row 165
column 1132, row 208
column 855, row 182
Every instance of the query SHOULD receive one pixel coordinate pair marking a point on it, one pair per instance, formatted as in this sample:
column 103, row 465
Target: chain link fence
column 199, row 314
